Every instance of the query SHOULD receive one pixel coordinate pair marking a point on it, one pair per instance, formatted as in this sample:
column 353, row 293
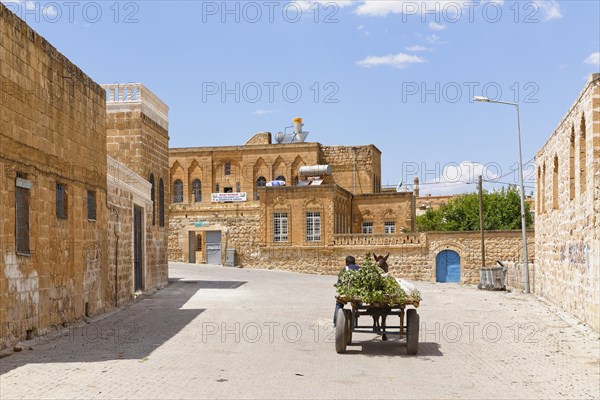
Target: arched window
column 280, row 178
column 153, row 198
column 178, row 191
column 555, row 184
column 572, row 164
column 582, row 157
column 543, row 184
column 197, row 190
column 538, row 208
column 161, row 203
column 261, row 181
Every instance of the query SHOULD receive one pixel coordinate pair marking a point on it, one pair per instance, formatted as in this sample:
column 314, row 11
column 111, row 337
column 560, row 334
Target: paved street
column 233, row 333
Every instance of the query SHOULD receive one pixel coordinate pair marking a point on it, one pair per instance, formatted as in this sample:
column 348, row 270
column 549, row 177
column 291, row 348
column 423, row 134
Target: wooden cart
column 347, row 322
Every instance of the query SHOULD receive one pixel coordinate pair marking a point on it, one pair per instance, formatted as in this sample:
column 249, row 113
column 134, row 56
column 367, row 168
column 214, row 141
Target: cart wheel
column 350, row 326
column 412, row 332
column 340, row 331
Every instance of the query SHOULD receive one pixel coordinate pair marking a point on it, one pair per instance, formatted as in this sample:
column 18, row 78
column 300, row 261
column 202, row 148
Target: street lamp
column 523, row 226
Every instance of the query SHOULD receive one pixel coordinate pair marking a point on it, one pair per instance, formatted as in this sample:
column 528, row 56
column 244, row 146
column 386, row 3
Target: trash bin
column 492, row 278
column 230, row 257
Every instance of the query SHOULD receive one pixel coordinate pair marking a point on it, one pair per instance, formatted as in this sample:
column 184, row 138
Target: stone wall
column 126, row 191
column 568, row 210
column 52, row 130
column 138, row 137
column 355, row 168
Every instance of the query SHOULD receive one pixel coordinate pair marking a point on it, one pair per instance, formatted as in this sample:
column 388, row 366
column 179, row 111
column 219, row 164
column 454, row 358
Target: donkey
column 380, row 314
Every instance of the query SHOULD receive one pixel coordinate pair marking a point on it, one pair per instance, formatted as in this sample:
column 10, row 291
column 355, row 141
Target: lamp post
column 523, row 225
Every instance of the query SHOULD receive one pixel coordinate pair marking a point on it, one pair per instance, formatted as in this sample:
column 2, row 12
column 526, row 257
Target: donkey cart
column 347, row 322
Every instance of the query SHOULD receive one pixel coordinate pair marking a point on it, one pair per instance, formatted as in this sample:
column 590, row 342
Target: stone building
column 308, row 227
column 306, row 212
column 68, row 244
column 567, row 234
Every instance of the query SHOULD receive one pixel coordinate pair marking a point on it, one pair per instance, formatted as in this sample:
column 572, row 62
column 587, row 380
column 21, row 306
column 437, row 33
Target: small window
column 161, row 203
column 228, row 168
column 91, row 205
column 280, row 178
column 61, row 201
column 280, row 227
column 198, row 242
column 178, row 191
column 261, row 181
column 313, row 226
column 367, row 228
column 197, row 190
column 153, row 198
column 389, row 227
column 228, row 190
column 217, row 188
column 238, row 187
column 22, row 194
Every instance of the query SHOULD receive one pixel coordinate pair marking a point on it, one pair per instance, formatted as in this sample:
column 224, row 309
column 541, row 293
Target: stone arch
column 555, row 193
column 279, row 168
column 298, row 162
column 572, row 163
column 177, row 173
column 436, row 248
column 195, row 175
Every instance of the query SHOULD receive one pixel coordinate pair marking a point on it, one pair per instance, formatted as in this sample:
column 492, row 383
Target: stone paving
column 232, row 333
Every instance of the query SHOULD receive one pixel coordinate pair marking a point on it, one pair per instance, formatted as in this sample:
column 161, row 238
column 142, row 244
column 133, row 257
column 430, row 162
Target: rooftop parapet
column 125, row 97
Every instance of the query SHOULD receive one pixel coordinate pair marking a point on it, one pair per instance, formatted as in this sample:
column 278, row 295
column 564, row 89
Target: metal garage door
column 213, row 247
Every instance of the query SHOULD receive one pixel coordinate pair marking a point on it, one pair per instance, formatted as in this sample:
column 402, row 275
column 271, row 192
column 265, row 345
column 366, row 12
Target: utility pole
column 480, row 187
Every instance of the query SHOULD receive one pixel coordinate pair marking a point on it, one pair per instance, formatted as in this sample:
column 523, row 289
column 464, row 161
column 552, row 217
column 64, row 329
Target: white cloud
column 309, row 5
column 264, row 112
column 381, row 8
column 433, row 38
column 400, row 60
column 417, row 47
column 436, row 27
column 460, row 178
column 550, row 9
column 593, row 59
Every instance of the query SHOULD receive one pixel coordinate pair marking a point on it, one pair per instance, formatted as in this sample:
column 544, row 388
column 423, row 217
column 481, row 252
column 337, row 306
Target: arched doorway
column 447, row 266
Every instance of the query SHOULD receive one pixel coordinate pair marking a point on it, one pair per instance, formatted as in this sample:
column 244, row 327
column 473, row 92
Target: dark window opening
column 91, row 205
column 198, row 242
column 153, row 198
column 22, row 227
column 161, row 203
column 178, row 191
column 61, row 201
column 197, row 190
column 228, row 168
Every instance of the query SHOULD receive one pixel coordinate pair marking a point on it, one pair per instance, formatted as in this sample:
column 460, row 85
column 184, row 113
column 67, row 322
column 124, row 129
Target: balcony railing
column 127, row 94
column 376, row 239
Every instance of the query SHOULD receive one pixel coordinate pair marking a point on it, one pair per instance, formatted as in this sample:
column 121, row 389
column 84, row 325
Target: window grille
column 178, row 191
column 22, row 193
column 61, row 201
column 228, row 168
column 389, row 227
column 280, row 227
column 91, row 205
column 197, row 190
column 313, row 226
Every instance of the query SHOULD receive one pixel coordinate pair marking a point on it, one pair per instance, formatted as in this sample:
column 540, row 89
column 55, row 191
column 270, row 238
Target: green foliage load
column 369, row 286
column 501, row 211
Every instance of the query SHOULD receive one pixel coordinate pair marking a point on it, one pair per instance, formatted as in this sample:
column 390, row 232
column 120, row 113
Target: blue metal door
column 447, row 266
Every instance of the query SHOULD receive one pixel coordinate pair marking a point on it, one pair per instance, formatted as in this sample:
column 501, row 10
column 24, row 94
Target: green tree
column 501, row 211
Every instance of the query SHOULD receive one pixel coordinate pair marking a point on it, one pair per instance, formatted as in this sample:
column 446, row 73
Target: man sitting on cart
column 350, row 265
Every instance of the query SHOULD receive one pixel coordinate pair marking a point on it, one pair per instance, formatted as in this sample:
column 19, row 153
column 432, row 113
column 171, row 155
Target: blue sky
column 398, row 74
